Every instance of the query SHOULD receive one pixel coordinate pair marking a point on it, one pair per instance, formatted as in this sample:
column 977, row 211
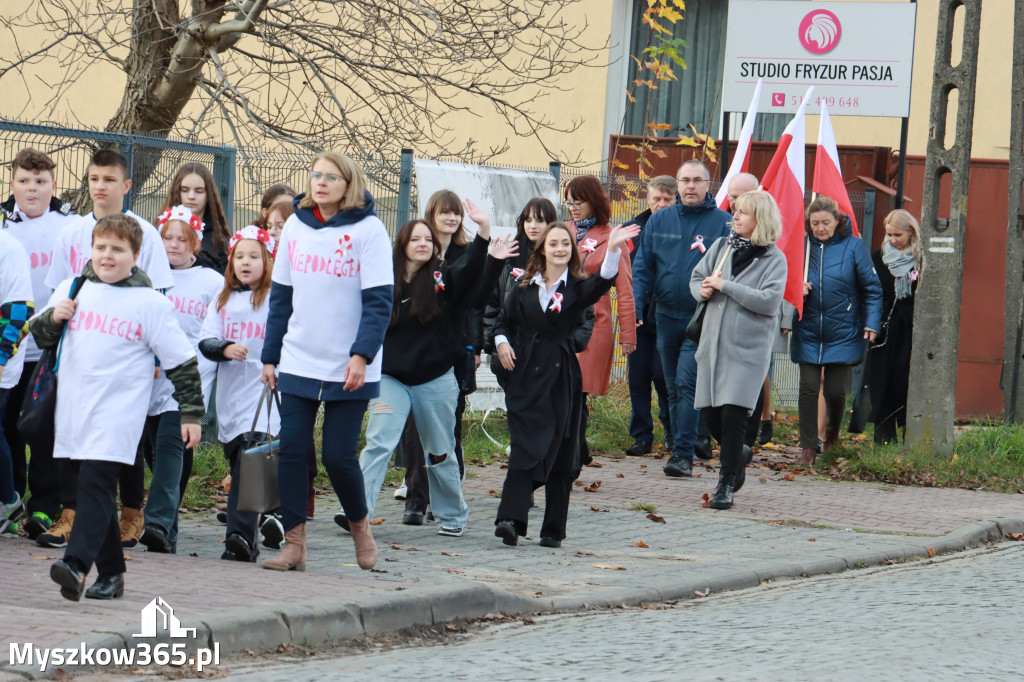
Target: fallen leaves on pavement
column 451, row 554
column 705, row 501
column 598, row 509
column 641, row 543
column 592, row 488
column 377, row 522
column 610, row 567
column 1019, row 537
column 620, row 475
column 656, row 518
column 595, row 465
column 931, row 551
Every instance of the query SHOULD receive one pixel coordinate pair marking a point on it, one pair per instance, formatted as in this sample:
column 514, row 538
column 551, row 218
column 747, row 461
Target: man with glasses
column 672, row 243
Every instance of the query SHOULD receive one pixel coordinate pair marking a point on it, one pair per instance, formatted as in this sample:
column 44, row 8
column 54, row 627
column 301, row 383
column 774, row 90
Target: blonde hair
column 761, row 205
column 902, row 220
column 354, row 197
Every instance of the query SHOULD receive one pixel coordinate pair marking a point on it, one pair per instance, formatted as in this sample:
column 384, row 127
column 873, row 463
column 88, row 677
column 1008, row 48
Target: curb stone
column 316, row 623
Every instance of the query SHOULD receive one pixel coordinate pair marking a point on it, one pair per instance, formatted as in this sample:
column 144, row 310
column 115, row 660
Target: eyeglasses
column 695, row 181
column 329, row 177
column 574, row 204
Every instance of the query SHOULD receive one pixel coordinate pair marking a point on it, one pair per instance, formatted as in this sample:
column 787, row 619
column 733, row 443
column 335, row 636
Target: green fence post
column 556, row 170
column 224, row 176
column 404, row 189
column 127, row 148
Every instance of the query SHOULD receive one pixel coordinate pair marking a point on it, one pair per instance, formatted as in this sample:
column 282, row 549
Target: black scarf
column 743, row 252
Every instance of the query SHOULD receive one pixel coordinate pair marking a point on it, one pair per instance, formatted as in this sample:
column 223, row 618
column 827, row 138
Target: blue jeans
column 343, row 419
column 433, row 408
column 680, row 365
column 165, row 488
column 7, row 492
column 644, row 368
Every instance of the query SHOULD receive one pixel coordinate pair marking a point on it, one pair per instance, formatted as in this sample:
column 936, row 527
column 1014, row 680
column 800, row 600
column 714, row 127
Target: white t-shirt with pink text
column 195, row 290
column 327, row 269
column 238, row 383
column 74, row 249
column 105, row 376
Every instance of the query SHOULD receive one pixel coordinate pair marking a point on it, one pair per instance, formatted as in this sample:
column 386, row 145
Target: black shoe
column 639, row 449
column 222, row 516
column 107, row 587
column 155, row 539
column 37, row 524
column 741, row 472
column 506, row 530
column 702, row 447
column 678, row 466
column 549, row 542
column 413, row 518
column 723, row 496
column 767, row 432
column 237, row 545
column 70, row 579
column 342, row 521
column 272, row 531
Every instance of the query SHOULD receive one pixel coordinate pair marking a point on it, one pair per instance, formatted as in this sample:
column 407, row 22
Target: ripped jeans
column 433, row 407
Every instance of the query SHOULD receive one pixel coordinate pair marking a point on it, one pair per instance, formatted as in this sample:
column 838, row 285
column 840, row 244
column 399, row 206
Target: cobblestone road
column 954, row 618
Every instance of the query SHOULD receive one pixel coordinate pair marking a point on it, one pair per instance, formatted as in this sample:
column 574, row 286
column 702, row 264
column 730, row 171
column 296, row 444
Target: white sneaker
column 10, row 513
column 402, row 491
column 451, row 530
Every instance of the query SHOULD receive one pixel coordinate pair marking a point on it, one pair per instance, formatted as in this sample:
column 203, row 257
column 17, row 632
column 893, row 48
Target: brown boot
column 132, row 523
column 292, row 556
column 807, row 456
column 366, row 548
column 59, row 534
column 831, row 438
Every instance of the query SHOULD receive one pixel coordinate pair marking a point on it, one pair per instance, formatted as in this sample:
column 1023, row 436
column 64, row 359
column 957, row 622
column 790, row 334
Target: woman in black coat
column 898, row 264
column 530, row 225
column 545, row 389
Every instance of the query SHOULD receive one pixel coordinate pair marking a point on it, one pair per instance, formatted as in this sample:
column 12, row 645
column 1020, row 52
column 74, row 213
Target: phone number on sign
column 843, row 102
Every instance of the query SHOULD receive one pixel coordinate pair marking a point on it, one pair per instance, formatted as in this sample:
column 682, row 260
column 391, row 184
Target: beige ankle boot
column 132, row 523
column 366, row 548
column 292, row 556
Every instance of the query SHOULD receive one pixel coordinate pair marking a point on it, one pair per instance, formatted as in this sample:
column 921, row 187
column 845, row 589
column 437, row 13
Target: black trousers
column 585, row 457
column 517, row 496
column 97, row 537
column 243, row 523
column 753, row 423
column 837, row 378
column 728, row 425
column 43, row 473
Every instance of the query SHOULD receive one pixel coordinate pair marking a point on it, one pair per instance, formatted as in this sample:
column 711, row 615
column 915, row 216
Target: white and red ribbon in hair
column 256, row 234
column 438, row 282
column 183, row 214
column 589, row 244
column 698, row 243
column 556, row 302
column 517, row 272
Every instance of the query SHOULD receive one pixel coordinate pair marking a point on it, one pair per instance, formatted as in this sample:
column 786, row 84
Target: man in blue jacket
column 672, row 243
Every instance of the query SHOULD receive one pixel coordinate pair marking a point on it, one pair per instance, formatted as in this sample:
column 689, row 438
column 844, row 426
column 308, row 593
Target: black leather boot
column 107, row 587
column 70, row 579
column 723, row 494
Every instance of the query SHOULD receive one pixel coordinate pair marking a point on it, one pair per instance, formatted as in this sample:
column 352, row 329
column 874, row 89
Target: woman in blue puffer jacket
column 842, row 313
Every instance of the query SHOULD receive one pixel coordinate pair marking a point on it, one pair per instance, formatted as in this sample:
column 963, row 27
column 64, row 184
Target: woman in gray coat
column 741, row 278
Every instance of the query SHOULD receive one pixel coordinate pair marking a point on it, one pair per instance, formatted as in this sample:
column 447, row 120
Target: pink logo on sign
column 778, row 99
column 820, row 31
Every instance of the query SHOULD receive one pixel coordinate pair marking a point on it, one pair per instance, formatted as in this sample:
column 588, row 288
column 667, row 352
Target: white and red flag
column 828, row 177
column 784, row 180
column 741, row 161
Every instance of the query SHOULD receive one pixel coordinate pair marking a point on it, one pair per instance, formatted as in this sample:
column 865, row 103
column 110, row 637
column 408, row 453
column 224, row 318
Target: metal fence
column 243, row 174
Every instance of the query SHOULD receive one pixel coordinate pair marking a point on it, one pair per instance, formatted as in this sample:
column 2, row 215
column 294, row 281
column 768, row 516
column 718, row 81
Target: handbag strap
column 725, row 252
column 267, row 391
column 76, row 286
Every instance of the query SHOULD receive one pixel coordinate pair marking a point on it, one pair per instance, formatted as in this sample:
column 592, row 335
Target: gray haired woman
column 741, row 278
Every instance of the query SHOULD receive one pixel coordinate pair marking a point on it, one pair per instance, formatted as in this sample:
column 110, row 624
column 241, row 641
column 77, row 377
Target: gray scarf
column 900, row 264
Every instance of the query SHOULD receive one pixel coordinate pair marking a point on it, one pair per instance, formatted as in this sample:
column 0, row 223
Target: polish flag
column 828, row 178
column 784, row 180
column 740, row 162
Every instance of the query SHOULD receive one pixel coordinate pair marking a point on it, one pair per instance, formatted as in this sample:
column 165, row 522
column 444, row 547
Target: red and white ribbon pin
column 589, row 244
column 913, row 275
column 556, row 302
column 438, row 282
column 517, row 272
column 344, row 244
column 698, row 243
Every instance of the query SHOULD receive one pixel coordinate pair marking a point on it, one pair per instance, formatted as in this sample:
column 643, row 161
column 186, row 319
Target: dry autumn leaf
column 610, row 567
column 656, row 518
column 698, row 593
column 620, row 475
column 451, row 554
column 789, row 477
column 931, row 551
column 377, row 522
column 598, row 509
column 641, row 543
column 454, row 570
column 404, row 549
column 595, row 465
column 705, row 501
column 1019, row 537
column 592, row 488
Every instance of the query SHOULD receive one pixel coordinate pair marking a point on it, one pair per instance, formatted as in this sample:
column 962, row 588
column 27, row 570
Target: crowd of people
column 314, row 307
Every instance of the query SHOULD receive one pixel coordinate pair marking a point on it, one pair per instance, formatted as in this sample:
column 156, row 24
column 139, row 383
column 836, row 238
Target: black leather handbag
column 696, row 325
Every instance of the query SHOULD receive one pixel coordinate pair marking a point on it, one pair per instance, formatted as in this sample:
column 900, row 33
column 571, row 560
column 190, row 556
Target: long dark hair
column 541, row 209
column 216, row 222
column 539, row 262
column 446, row 201
column 420, row 288
column 271, row 197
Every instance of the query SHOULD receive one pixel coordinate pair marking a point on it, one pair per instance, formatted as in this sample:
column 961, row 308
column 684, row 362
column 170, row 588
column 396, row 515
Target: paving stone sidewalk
column 805, row 525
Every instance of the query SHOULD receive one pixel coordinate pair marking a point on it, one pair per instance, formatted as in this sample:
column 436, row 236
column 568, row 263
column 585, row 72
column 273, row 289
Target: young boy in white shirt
column 35, row 217
column 109, row 182
column 114, row 327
